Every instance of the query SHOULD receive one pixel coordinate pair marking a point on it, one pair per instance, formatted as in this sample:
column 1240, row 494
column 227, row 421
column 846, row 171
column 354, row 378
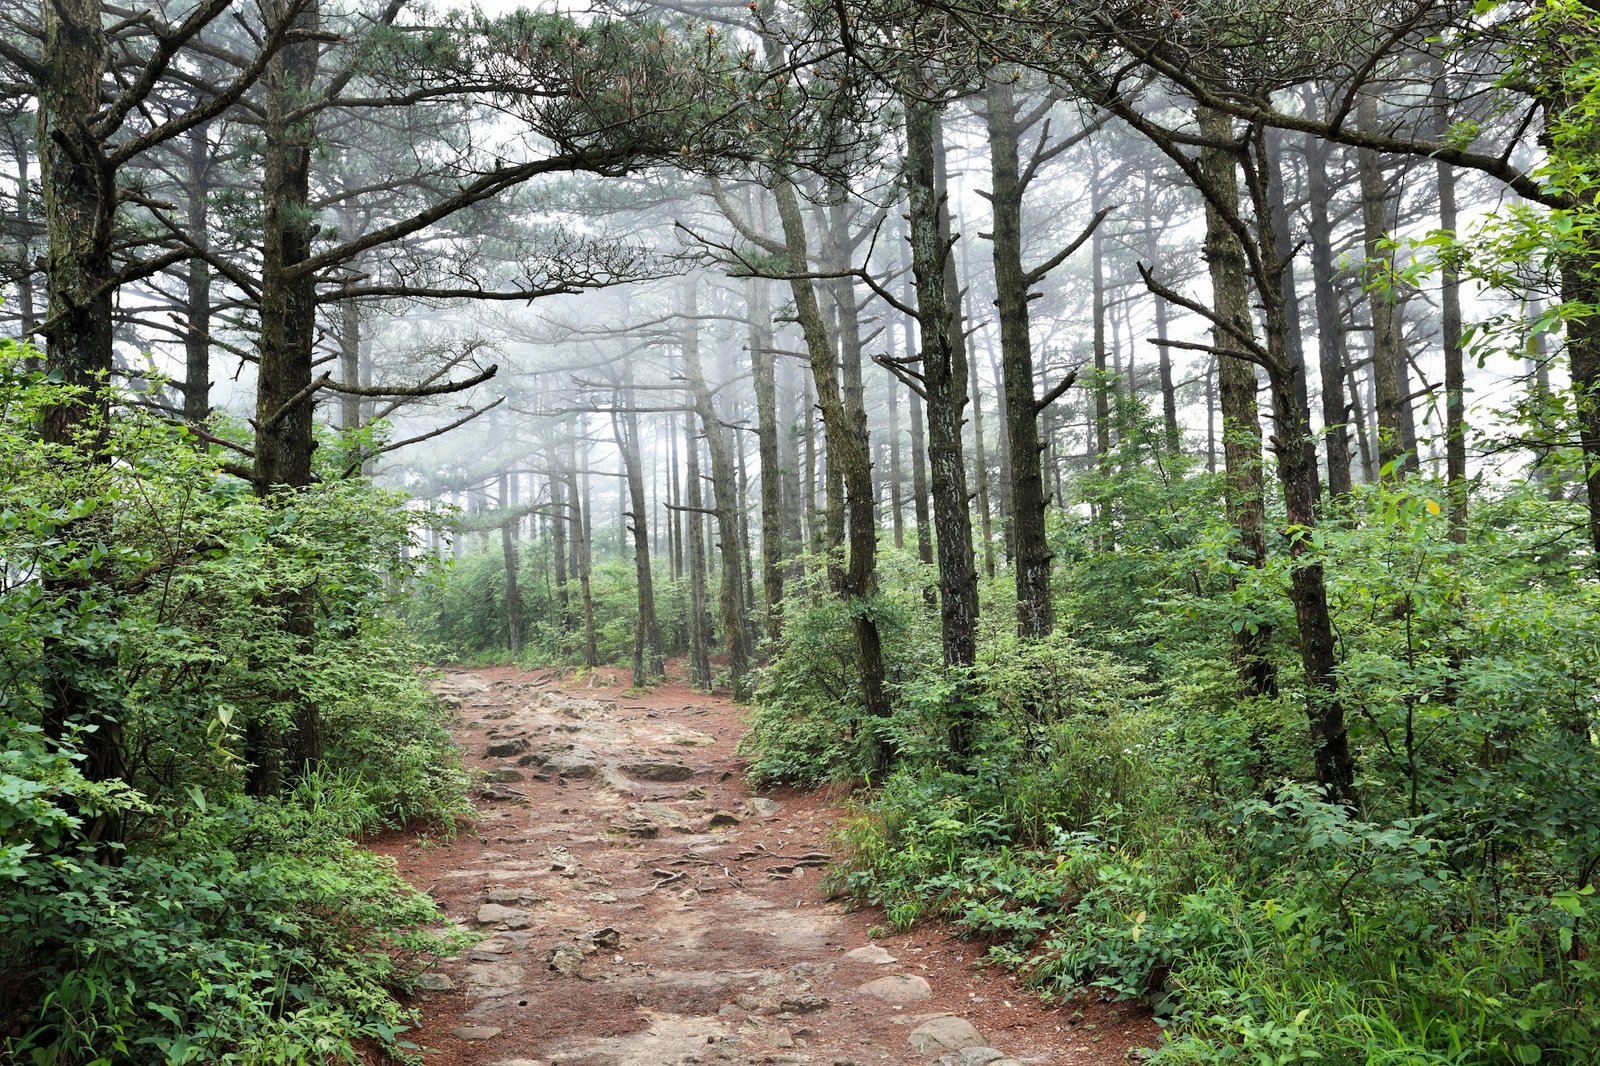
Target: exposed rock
column 504, row 749
column 565, row 959
column 760, row 807
column 976, row 1056
column 566, row 759
column 944, row 1033
column 477, row 1032
column 493, row 978
column 502, row 894
column 652, row 770
column 872, row 954
column 503, row 792
column 612, row 778
column 510, row 917
column 898, row 988
column 649, row 819
column 435, row 982
column 804, row 1004
column 503, row 774
column 722, row 819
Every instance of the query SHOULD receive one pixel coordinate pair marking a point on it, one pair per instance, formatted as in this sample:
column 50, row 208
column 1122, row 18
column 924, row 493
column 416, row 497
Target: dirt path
column 646, row 909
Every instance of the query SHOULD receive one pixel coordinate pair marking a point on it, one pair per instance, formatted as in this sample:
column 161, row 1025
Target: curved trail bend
column 645, row 908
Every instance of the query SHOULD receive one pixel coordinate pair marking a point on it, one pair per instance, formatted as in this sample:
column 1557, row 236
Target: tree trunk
column 1331, row 352
column 1169, row 393
column 1236, row 380
column 896, row 471
column 1102, row 378
column 80, row 201
column 944, row 374
column 581, row 561
column 648, row 665
column 725, row 495
column 349, row 363
column 847, row 441
column 763, row 364
column 508, row 552
column 558, row 544
column 197, row 283
column 1386, row 353
column 699, row 617
column 1455, row 371
column 1030, row 549
column 285, row 407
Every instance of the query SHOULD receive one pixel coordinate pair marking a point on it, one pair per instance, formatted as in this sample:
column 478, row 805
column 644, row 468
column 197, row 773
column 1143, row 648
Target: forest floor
column 645, row 908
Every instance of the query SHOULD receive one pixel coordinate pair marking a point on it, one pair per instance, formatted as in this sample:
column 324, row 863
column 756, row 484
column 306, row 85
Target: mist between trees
column 1154, row 449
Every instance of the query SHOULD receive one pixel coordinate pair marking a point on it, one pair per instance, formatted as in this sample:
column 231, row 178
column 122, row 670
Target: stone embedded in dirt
column 976, row 1056
column 760, row 807
column 496, row 914
column 783, row 1038
column 503, row 792
column 435, row 982
column 501, row 894
column 807, row 970
column 604, row 938
column 649, row 819
column 490, row 979
column 504, row 749
column 804, row 1004
column 722, row 819
column 502, row 774
column 601, row 897
column 944, row 1033
column 898, row 988
column 872, row 954
column 652, row 770
column 565, row 959
column 476, row 1032
column 566, row 759
column 612, row 778
column 691, row 738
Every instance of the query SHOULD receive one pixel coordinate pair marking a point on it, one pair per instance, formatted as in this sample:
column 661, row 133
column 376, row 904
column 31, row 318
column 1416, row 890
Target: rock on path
column 640, row 907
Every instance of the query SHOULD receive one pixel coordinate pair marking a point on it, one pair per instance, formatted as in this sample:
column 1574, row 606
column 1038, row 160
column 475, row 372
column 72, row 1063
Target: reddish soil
column 649, row 922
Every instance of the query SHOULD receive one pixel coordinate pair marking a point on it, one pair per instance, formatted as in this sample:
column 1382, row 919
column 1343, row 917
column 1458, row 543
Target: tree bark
column 1236, row 383
column 944, row 374
column 1031, row 553
column 1386, row 353
column 285, row 407
column 847, row 441
column 763, row 365
column 1331, row 351
column 699, row 616
column 508, row 552
column 648, row 664
column 725, row 494
column 197, row 283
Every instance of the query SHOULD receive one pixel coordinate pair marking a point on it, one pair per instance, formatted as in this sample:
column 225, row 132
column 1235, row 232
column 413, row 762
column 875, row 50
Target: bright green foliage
column 807, row 727
column 464, row 612
column 1132, row 825
column 212, row 927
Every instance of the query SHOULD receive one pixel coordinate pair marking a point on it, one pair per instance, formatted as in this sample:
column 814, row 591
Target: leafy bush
column 1132, row 826
column 149, row 911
